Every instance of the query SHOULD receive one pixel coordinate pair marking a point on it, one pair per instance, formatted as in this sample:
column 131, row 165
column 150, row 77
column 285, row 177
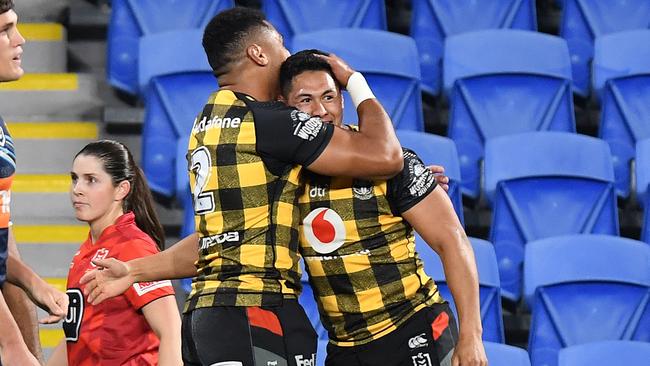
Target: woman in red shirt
column 141, row 326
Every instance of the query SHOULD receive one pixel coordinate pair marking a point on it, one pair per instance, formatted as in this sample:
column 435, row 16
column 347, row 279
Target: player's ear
column 122, row 190
column 256, row 53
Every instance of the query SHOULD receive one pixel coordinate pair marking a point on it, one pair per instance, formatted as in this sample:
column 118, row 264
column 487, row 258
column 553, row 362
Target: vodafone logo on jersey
column 324, row 230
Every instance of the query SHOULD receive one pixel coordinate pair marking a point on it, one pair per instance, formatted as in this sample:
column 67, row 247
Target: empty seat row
column 432, row 22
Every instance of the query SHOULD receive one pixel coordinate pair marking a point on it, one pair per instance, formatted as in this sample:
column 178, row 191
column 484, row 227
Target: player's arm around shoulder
column 373, row 152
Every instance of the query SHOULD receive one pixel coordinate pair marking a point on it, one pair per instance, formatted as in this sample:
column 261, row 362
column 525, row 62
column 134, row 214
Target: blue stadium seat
column 621, row 72
column 643, row 185
column 133, row 19
column 294, row 17
column 584, row 20
column 503, row 355
column 543, row 184
column 434, row 20
column 437, row 150
column 502, row 82
column 174, row 93
column 489, row 292
column 586, row 288
column 394, row 76
column 606, row 353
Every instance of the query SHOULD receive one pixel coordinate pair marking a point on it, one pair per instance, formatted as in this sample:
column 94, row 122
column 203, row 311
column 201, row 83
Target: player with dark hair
column 376, row 302
column 142, row 326
column 13, row 347
column 246, row 152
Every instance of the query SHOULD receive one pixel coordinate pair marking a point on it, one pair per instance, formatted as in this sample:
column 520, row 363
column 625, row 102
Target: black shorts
column 427, row 339
column 249, row 336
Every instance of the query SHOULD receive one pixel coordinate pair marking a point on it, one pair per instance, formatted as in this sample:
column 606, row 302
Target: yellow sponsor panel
column 41, row 31
column 39, row 234
column 53, row 130
column 43, row 82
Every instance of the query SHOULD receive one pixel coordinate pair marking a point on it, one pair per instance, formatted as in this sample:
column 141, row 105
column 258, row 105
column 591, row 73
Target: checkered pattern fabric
column 360, row 255
column 245, row 216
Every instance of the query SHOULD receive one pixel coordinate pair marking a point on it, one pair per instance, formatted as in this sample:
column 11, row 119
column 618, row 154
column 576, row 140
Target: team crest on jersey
column 421, row 359
column 324, row 230
column 362, row 190
column 99, row 254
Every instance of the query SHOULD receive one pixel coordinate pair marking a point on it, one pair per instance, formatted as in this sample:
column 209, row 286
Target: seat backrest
column 586, row 288
column 393, row 76
column 132, row 19
column 588, row 19
column 503, row 82
column 169, row 53
column 545, row 184
column 621, row 54
column 503, row 355
column 622, row 79
column 490, row 297
column 172, row 103
column 434, row 20
column 438, row 150
column 294, row 17
column 541, row 154
column 606, row 353
column 504, row 51
column 584, row 20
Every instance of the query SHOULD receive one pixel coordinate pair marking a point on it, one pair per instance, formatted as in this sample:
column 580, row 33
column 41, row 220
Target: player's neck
column 100, row 224
column 247, row 82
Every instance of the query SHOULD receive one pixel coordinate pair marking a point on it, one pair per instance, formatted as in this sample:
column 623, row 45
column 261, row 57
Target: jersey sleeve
column 289, row 135
column 410, row 186
column 142, row 293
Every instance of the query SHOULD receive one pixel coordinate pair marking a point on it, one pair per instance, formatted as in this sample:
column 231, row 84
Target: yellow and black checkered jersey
column 360, row 253
column 244, row 164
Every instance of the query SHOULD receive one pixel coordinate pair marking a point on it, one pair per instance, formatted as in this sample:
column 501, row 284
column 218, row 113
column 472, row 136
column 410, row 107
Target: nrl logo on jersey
column 421, row 359
column 362, row 190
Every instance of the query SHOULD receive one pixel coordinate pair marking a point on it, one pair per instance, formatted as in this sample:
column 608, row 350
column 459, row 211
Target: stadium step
column 41, row 10
column 50, row 96
column 45, row 49
column 56, row 142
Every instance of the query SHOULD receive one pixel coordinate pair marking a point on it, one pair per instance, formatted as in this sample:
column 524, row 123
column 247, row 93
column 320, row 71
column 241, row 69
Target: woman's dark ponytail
column 119, row 164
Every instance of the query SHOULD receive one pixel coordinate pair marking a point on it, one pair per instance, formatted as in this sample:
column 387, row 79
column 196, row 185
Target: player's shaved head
column 229, row 33
column 6, row 5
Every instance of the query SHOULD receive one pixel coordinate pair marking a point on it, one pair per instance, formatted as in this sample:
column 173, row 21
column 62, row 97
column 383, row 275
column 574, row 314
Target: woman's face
column 92, row 192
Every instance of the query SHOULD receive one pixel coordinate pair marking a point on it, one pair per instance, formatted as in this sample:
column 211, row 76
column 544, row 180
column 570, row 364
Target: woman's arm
column 162, row 316
column 59, row 356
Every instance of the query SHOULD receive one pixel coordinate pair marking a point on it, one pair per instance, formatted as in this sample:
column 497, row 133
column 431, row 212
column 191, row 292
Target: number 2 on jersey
column 200, row 165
